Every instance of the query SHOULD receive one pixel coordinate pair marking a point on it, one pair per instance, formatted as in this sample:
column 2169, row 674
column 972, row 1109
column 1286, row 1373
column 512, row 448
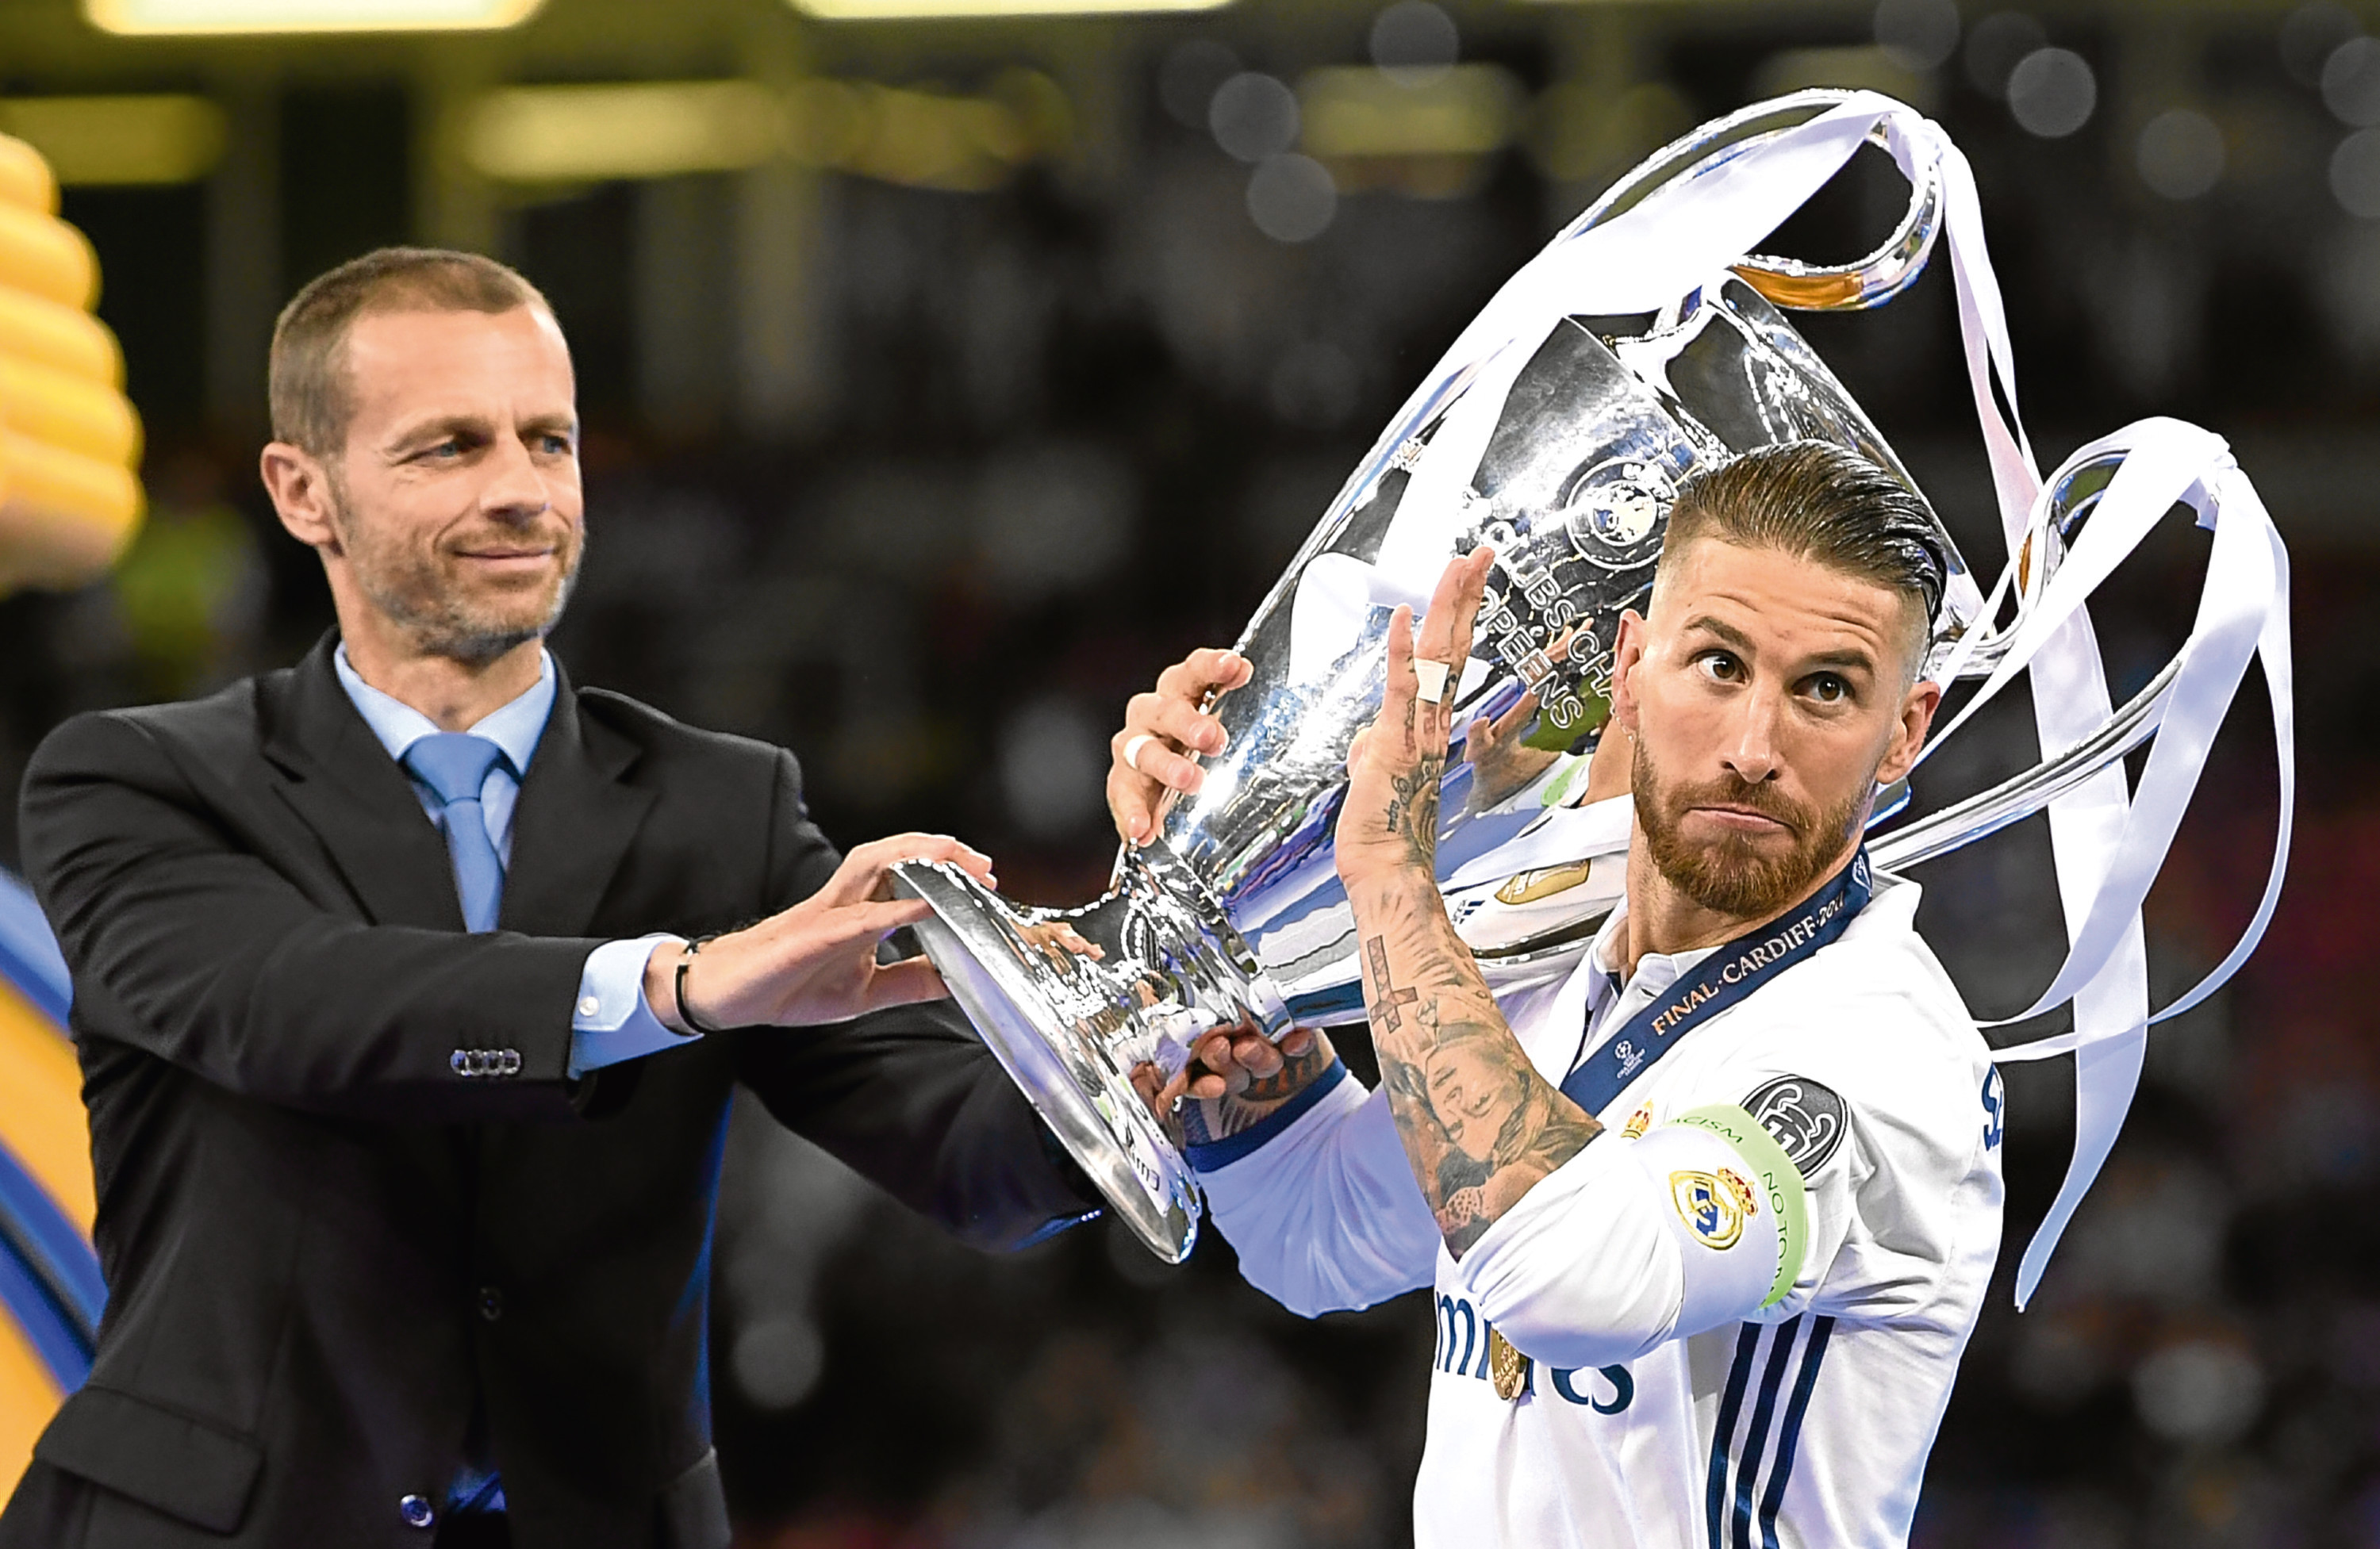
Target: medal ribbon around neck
column 1718, row 982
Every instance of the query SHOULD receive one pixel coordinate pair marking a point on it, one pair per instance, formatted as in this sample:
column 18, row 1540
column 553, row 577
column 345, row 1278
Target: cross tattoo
column 1388, row 1013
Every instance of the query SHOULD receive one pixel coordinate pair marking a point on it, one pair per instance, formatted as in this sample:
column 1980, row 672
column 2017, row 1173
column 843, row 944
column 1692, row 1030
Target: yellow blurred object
column 46, row 257
column 144, row 140
column 63, row 517
column 69, row 438
column 62, row 338
column 28, row 1396
column 74, row 416
column 25, row 178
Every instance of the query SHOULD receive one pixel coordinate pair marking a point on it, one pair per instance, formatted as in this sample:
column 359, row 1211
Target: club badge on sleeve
column 1714, row 1205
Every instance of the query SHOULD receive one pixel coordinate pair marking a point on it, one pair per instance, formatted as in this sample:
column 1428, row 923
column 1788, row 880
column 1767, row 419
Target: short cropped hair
column 308, row 386
column 1819, row 501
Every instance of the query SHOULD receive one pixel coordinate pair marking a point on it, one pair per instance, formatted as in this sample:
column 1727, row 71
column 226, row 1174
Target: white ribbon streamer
column 2109, row 850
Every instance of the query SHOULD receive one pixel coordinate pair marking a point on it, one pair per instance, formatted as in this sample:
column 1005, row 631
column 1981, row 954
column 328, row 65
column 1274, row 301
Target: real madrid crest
column 1713, row 1206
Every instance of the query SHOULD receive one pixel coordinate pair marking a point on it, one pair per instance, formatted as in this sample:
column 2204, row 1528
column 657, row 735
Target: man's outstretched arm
column 1480, row 1127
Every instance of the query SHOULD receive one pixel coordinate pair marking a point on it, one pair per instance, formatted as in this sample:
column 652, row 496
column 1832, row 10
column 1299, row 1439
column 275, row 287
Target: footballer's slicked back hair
column 308, row 386
column 1817, row 501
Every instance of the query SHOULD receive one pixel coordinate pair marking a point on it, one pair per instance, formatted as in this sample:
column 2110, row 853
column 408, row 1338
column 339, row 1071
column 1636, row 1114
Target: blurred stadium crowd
column 943, row 380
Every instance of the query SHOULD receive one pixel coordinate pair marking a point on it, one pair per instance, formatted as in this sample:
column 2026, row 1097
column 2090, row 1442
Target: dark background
column 921, row 482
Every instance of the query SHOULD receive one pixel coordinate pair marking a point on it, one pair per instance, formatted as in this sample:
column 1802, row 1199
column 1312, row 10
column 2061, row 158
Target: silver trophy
column 1232, row 914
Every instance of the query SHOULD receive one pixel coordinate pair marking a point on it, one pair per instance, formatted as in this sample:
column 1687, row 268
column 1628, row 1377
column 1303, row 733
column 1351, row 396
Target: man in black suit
column 407, row 1082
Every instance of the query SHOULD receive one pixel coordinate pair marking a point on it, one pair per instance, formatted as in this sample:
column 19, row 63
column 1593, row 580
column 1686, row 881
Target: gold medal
column 1507, row 1367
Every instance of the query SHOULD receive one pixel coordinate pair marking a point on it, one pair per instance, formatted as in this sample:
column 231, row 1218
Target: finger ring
column 1433, row 675
column 1132, row 751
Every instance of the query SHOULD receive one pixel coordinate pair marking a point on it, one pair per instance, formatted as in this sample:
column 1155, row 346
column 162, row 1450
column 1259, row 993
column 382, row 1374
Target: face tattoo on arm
column 1479, row 1125
column 1205, row 1121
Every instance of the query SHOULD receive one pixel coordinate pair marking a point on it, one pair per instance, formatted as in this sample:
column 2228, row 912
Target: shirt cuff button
column 589, row 1005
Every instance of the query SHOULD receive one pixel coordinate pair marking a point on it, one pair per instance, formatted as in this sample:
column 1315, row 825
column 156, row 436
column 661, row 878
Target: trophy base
column 1070, row 1028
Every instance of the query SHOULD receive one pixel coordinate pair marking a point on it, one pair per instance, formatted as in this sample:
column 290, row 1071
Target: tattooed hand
column 1235, row 1077
column 1390, row 821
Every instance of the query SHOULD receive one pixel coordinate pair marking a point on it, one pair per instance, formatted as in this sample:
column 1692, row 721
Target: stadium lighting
column 1348, row 110
column 120, row 139
column 921, row 11
column 164, row 17
column 565, row 134
column 587, row 134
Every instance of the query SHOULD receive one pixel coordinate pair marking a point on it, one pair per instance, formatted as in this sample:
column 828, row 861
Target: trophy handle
column 1868, row 282
column 1789, row 282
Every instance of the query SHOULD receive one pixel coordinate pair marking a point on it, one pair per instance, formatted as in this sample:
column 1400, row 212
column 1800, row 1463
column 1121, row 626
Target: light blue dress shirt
column 610, row 1021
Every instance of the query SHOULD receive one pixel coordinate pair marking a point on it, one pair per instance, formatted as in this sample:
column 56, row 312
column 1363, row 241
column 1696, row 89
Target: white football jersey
column 1665, row 1405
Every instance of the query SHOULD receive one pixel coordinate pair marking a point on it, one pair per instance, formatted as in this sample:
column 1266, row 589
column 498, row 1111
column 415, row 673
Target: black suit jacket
column 327, row 1246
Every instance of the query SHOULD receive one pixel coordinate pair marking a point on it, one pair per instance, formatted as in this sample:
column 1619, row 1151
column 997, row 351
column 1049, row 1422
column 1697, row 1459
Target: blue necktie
column 455, row 765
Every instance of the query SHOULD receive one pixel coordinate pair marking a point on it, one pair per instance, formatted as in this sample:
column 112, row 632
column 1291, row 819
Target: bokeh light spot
column 2052, row 92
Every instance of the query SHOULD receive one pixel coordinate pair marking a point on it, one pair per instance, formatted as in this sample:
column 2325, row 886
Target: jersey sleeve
column 1634, row 1241
column 1874, row 1128
column 1325, row 1214
column 1894, row 1142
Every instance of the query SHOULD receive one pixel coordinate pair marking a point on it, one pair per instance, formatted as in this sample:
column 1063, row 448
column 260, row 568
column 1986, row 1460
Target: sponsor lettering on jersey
column 1995, row 1108
column 1713, row 1206
column 1463, row 1352
column 1806, row 1119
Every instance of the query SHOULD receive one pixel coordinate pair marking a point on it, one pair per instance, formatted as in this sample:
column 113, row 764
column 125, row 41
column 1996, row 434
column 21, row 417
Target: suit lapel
column 574, row 821
column 346, row 788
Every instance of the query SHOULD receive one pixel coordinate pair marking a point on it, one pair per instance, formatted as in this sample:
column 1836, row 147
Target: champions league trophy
column 1560, row 442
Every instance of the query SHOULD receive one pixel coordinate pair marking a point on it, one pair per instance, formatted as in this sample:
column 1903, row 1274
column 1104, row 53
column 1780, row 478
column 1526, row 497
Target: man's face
column 1767, row 696
column 458, row 510
column 1473, row 1093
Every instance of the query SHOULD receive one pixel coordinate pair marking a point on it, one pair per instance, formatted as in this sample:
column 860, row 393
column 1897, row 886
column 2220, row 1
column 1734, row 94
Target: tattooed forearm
column 1212, row 1118
column 1480, row 1125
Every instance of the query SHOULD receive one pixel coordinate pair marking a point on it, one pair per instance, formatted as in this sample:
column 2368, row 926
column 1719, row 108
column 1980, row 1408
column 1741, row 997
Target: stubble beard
column 419, row 596
column 1732, row 875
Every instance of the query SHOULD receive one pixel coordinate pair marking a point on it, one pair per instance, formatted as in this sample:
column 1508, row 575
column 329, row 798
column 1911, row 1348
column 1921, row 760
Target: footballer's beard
column 1733, row 876
column 421, row 593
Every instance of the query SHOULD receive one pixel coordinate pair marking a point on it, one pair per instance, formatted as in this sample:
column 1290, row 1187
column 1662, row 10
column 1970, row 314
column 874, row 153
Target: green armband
column 1778, row 1181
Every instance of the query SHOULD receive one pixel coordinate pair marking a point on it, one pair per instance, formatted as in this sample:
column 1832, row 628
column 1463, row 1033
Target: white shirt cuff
column 610, row 1022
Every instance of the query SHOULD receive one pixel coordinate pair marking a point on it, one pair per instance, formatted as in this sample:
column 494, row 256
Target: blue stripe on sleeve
column 1230, row 1148
column 1730, row 1407
column 1756, row 1437
column 1786, row 1444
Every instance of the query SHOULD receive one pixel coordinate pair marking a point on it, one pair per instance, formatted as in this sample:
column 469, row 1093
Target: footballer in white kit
column 1708, row 1222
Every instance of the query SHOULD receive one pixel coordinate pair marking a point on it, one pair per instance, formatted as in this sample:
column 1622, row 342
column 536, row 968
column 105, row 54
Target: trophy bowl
column 1231, row 914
